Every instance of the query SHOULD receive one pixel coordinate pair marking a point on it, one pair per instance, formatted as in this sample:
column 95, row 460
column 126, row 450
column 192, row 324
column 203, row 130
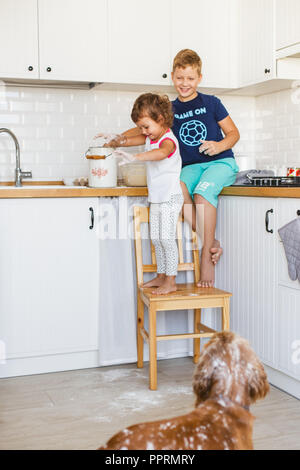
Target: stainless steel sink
column 42, row 186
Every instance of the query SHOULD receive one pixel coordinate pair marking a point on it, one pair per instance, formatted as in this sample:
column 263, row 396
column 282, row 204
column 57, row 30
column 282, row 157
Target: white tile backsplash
column 278, row 143
column 55, row 126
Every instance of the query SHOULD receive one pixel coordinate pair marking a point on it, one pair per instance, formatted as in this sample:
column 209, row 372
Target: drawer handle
column 267, row 220
column 92, row 218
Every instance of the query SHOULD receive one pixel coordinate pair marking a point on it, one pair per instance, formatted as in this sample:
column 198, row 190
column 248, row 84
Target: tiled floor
column 82, row 409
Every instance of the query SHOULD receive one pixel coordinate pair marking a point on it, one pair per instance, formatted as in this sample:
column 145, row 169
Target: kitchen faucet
column 19, row 174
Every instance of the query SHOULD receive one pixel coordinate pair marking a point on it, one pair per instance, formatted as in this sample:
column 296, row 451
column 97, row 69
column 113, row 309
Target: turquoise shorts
column 208, row 179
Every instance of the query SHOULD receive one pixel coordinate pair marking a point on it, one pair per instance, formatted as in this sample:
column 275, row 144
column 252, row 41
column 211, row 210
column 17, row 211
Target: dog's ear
column 203, row 377
column 258, row 383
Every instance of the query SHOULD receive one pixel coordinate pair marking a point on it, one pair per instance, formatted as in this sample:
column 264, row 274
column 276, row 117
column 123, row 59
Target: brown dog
column 227, row 380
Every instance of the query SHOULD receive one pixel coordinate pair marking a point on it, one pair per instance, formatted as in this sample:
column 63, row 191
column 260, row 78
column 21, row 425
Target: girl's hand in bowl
column 125, row 157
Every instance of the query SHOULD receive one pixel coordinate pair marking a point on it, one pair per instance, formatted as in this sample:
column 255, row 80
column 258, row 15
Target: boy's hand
column 210, row 147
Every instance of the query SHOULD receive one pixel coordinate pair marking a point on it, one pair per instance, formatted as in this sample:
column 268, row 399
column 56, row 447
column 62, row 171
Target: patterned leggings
column 163, row 222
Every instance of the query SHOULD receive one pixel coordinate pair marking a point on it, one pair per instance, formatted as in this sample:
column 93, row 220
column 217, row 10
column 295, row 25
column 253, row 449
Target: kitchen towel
column 290, row 236
column 242, row 178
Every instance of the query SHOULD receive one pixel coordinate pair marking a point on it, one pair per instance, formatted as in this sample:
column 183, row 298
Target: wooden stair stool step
column 187, row 296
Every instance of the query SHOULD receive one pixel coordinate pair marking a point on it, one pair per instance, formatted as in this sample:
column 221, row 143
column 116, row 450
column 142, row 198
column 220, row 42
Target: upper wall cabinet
column 122, row 41
column 53, row 39
column 139, row 42
column 208, row 30
column 19, row 39
column 142, row 47
column 287, row 23
column 256, row 58
column 72, row 39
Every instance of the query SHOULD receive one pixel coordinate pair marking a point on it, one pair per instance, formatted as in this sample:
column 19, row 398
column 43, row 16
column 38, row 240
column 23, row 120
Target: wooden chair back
column 141, row 216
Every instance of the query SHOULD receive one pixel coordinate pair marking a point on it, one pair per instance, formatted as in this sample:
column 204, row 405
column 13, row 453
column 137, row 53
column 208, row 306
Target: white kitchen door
column 139, row 42
column 248, row 268
column 48, row 285
column 73, row 40
column 19, row 39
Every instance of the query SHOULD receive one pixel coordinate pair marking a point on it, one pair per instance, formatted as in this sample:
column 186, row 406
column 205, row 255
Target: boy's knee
column 184, row 188
column 186, row 194
column 198, row 199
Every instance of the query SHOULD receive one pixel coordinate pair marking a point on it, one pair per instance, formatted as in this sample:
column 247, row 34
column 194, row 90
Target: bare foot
column 156, row 282
column 207, row 270
column 169, row 285
column 216, row 252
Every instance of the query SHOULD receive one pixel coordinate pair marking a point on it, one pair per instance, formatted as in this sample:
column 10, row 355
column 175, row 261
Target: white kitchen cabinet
column 207, row 30
column 256, row 48
column 139, row 42
column 53, row 39
column 73, row 40
column 48, row 285
column 287, row 23
column 265, row 304
column 287, row 211
column 287, row 333
column 122, row 42
column 248, row 269
column 287, row 321
column 19, row 39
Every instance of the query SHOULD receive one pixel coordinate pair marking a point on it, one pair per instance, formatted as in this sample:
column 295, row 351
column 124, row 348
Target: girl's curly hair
column 154, row 106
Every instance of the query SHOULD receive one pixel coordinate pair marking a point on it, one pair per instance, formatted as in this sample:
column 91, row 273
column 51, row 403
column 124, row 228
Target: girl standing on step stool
column 153, row 115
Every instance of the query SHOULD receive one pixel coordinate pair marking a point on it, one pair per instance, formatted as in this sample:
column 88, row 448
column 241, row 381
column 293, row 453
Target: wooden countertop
column 57, row 189
column 51, row 189
column 255, row 191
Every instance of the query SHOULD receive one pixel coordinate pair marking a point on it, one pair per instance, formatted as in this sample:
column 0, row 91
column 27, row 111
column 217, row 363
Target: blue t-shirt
column 197, row 120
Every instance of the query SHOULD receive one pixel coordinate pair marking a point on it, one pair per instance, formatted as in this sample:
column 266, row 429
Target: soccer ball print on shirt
column 192, row 132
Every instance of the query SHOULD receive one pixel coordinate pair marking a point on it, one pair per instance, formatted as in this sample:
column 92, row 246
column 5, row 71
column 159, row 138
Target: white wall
column 278, row 128
column 55, row 127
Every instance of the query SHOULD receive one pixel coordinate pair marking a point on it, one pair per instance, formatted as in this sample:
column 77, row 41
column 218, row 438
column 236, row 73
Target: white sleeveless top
column 163, row 176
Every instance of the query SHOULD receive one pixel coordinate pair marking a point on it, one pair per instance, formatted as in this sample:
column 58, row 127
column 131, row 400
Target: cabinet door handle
column 298, row 212
column 30, row 68
column 92, row 218
column 267, row 221
column 164, row 75
column 48, row 69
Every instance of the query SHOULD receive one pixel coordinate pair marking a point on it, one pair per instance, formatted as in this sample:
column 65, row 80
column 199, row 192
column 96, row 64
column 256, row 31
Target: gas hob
column 280, row 181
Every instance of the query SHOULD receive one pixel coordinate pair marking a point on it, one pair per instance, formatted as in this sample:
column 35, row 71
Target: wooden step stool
column 188, row 296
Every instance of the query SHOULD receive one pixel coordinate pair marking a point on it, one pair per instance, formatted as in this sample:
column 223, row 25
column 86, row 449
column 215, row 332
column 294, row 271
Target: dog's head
column 228, row 367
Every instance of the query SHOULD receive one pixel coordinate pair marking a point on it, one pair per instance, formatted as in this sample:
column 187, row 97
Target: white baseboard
column 49, row 363
column 160, row 356
column 20, row 366
column 284, row 382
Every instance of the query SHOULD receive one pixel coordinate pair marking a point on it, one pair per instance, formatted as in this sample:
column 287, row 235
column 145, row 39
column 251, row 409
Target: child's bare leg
column 155, row 282
column 216, row 251
column 207, row 217
column 189, row 212
column 169, row 285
